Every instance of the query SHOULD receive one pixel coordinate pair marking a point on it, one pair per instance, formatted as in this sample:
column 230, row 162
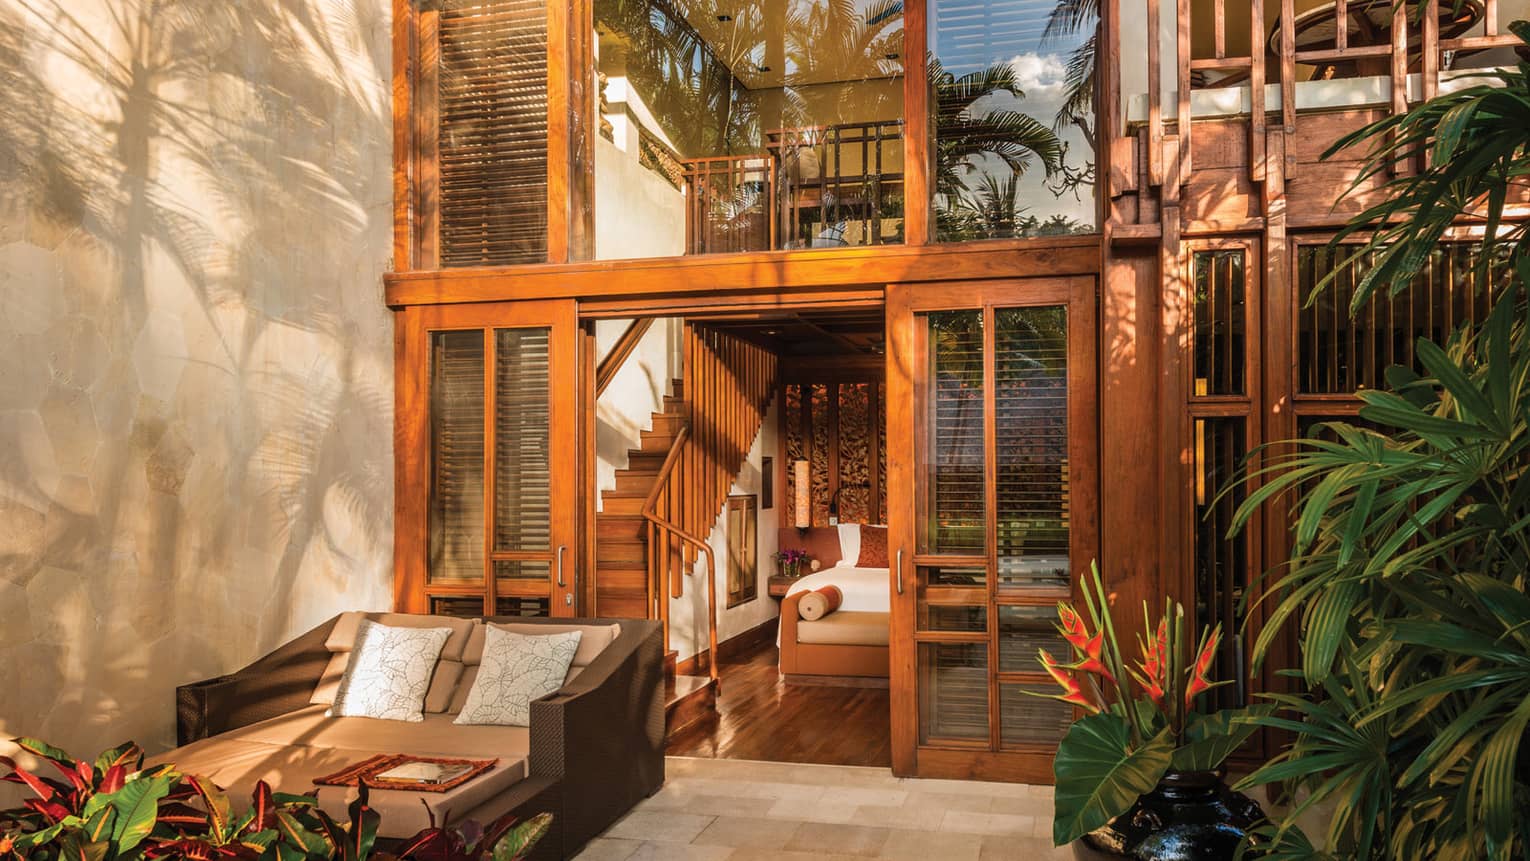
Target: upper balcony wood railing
column 811, row 187
column 1390, row 39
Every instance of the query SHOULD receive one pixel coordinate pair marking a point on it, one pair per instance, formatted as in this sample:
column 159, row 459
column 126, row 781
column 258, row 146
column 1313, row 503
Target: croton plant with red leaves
column 1141, row 719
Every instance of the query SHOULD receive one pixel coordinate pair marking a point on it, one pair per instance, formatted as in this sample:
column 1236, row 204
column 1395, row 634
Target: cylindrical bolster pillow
column 819, row 603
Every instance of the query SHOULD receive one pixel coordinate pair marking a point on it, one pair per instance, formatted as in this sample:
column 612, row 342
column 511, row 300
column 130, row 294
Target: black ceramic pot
column 1190, row 816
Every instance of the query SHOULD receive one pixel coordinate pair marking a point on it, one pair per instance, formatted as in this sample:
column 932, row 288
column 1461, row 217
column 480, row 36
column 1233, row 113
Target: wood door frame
column 904, row 301
column 411, row 440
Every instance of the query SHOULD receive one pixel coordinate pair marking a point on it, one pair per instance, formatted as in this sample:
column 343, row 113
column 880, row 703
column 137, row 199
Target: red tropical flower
column 1154, row 664
column 1200, row 674
column 1093, row 661
column 1073, row 691
column 1072, row 627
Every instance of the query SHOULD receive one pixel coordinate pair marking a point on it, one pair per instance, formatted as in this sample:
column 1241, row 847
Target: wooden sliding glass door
column 488, row 472
column 992, row 509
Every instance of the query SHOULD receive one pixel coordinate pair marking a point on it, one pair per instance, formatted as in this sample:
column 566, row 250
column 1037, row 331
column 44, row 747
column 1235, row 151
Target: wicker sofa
column 594, row 748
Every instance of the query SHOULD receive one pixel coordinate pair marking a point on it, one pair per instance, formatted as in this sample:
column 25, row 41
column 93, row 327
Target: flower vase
column 1189, row 816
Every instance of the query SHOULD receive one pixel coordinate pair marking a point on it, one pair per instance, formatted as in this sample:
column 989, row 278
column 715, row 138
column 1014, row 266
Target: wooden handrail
column 658, row 524
column 650, row 504
column 620, row 353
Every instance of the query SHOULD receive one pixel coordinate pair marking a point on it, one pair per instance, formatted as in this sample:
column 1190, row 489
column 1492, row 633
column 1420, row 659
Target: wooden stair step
column 620, row 527
column 688, row 700
column 621, row 550
column 666, row 424
column 644, row 461
column 636, row 479
column 623, row 502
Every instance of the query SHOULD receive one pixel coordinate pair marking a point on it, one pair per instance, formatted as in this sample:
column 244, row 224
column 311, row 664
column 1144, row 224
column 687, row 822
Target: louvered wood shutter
column 522, row 420
column 493, row 132
column 1031, row 403
column 957, row 506
column 457, row 457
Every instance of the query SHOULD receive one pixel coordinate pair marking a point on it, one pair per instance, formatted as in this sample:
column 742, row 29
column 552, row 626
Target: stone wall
column 196, row 378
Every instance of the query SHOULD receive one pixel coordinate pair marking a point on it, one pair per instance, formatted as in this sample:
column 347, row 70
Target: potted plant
column 1140, row 774
column 791, row 562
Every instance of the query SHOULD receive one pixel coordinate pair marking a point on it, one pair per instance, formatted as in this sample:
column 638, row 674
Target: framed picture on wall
column 767, row 483
column 743, row 549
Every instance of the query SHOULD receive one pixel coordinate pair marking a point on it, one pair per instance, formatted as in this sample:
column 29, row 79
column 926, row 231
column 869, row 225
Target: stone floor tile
column 677, row 852
column 1004, row 848
column 859, row 840
column 660, row 826
column 907, row 817
column 747, row 833
column 903, row 845
column 710, row 805
column 786, row 855
column 608, row 849
column 822, row 810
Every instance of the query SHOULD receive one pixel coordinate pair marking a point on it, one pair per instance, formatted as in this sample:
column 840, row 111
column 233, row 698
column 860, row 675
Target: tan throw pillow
column 819, row 603
column 389, row 672
column 515, row 670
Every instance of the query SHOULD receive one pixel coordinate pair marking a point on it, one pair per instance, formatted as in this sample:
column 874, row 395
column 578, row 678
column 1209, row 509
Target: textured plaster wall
column 196, row 373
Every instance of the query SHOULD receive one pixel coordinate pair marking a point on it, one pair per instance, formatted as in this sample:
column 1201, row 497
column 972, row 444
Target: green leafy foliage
column 115, row 810
column 1100, row 774
column 1142, row 721
column 1407, row 584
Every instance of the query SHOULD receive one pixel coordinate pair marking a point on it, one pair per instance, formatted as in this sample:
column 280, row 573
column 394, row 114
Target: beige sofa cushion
column 434, row 736
column 443, row 681
column 592, row 641
column 236, row 765
column 845, row 629
column 342, row 638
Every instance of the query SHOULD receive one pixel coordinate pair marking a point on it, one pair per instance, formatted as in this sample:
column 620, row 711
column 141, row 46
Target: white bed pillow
column 516, row 669
column 849, row 545
column 389, row 672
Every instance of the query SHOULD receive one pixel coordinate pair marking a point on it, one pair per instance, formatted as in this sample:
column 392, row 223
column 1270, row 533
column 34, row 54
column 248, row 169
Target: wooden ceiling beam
column 651, row 281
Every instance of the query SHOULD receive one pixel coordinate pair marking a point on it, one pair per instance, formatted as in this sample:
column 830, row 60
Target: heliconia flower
column 1200, row 674
column 1073, row 691
column 1072, row 627
column 1093, row 661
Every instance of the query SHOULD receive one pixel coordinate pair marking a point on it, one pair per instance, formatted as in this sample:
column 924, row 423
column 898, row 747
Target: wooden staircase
column 653, row 526
column 621, row 531
column 621, row 556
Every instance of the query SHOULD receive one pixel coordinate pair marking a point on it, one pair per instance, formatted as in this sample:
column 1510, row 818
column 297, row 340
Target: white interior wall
column 687, row 614
column 637, row 212
column 627, row 406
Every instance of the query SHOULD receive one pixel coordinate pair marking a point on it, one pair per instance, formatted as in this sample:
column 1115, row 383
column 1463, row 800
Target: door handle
column 561, row 548
column 899, row 568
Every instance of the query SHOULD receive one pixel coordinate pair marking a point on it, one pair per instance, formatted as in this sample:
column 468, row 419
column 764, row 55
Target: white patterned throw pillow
column 389, row 672
column 517, row 669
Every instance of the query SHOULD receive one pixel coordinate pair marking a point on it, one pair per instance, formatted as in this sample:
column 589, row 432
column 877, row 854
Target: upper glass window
column 741, row 126
column 1012, row 116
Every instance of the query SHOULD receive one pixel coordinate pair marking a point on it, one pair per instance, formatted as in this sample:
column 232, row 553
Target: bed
column 849, row 643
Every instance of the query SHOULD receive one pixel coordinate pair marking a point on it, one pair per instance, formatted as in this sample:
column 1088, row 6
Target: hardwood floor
column 760, row 717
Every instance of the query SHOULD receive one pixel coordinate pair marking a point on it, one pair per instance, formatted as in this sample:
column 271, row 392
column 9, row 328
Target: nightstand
column 779, row 583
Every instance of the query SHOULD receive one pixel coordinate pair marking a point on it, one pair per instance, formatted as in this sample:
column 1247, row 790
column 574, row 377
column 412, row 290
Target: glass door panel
column 953, row 692
column 1031, row 450
column 953, row 513
column 997, row 456
column 457, row 473
column 497, row 390
column 522, row 424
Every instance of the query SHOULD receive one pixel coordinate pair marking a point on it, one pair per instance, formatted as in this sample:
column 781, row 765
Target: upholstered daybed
column 843, row 644
column 593, row 748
